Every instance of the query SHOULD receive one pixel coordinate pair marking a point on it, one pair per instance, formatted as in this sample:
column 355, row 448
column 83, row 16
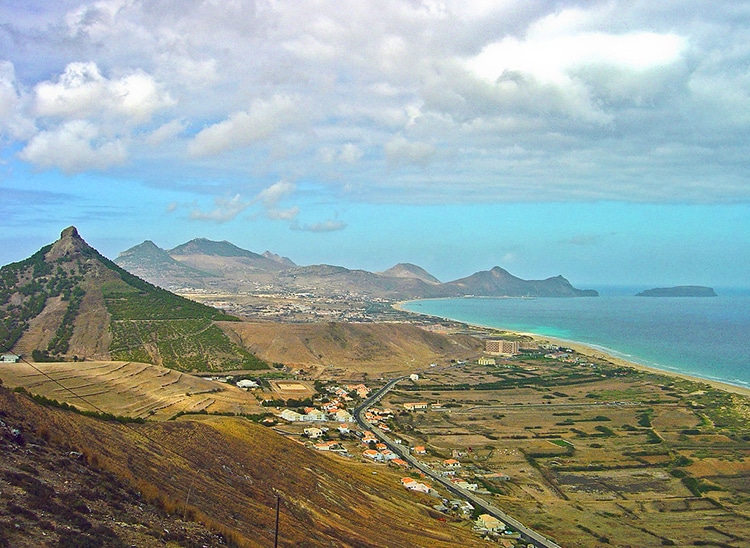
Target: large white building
column 501, row 347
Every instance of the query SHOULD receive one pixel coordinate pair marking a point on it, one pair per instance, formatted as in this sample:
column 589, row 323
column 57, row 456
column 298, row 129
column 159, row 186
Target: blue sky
column 606, row 141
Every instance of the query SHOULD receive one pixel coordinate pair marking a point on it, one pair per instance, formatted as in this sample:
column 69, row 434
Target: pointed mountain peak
column 70, row 232
column 70, row 243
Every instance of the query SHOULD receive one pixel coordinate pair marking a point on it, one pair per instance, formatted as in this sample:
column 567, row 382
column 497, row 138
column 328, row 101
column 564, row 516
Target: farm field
column 590, row 454
column 129, row 389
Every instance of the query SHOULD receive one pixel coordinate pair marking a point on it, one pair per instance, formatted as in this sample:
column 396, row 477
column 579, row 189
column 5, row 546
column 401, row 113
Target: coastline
column 590, row 351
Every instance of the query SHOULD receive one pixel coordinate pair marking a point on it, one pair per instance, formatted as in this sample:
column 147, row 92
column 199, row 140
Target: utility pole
column 276, row 535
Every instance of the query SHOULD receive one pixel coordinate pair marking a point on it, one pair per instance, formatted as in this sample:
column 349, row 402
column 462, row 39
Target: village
column 330, row 426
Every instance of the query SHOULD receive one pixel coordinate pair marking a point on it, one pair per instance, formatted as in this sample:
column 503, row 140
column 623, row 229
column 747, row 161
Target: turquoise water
column 705, row 337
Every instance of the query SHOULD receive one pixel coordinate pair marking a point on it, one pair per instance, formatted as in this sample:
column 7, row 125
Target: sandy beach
column 586, row 350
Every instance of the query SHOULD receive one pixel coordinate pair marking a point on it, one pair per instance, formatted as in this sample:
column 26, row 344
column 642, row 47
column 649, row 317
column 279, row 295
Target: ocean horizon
column 705, row 337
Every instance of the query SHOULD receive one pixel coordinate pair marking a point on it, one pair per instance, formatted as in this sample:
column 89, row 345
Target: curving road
column 528, row 535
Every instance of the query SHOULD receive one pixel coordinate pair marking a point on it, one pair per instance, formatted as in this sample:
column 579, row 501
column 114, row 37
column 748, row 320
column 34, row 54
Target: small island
column 679, row 291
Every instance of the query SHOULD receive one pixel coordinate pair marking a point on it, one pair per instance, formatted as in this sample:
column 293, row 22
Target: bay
column 704, row 337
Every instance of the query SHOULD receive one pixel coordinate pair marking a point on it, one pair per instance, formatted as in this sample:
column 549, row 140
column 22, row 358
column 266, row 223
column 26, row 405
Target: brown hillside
column 228, row 470
column 374, row 348
column 128, row 389
column 53, row 497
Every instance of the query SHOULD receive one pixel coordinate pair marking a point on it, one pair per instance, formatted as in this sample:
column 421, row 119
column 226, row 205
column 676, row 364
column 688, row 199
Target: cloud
column 82, row 91
column 165, row 132
column 349, row 153
column 325, row 226
column 590, row 94
column 399, row 151
column 270, row 197
column 225, row 210
column 74, row 147
column 12, row 120
column 240, row 129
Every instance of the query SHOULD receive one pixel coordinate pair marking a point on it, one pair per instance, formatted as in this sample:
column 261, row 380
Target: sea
column 706, row 337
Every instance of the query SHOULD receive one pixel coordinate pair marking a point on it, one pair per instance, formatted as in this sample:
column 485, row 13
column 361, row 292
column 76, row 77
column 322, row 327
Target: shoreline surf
column 591, row 350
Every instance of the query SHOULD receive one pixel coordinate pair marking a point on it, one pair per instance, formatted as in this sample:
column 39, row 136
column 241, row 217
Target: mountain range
column 207, row 264
column 69, row 302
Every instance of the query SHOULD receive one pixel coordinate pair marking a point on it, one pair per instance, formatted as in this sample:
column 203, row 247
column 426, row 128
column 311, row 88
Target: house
column 368, row 437
column 401, row 463
column 420, row 450
column 342, row 415
column 315, row 415
column 414, row 377
column 313, row 433
column 247, row 384
column 291, row 416
column 10, row 358
column 451, row 463
column 326, row 446
column 414, row 485
column 387, row 455
column 414, row 406
column 490, row 523
column 380, row 446
column 486, row 361
column 463, row 484
column 344, row 429
column 372, row 454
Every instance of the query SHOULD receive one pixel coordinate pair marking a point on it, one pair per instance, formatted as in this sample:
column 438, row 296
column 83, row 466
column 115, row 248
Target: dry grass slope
column 374, row 348
column 228, row 471
column 129, row 389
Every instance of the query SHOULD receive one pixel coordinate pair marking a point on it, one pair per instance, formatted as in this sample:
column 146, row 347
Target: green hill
column 67, row 301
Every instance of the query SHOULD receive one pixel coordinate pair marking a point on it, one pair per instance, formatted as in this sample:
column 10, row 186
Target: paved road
column 528, row 535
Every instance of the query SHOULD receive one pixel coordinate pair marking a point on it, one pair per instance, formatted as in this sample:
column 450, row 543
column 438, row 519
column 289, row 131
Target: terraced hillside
column 128, row 389
column 67, row 301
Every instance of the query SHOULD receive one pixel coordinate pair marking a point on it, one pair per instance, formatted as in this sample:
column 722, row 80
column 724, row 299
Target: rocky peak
column 70, row 243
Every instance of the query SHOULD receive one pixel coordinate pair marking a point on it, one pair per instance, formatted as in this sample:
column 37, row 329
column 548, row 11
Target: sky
column 606, row 141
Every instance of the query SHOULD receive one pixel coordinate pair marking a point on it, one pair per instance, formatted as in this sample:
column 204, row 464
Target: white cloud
column 165, row 132
column 225, row 210
column 270, row 197
column 82, row 92
column 12, row 120
column 240, row 129
column 587, row 92
column 399, row 150
column 349, row 153
column 74, row 147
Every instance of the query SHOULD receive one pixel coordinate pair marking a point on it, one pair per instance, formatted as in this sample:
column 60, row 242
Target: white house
column 247, row 384
column 342, row 415
column 313, row 433
column 489, row 523
column 291, row 416
column 315, row 415
column 10, row 358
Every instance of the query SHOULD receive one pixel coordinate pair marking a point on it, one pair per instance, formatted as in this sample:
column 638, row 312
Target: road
column 528, row 535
